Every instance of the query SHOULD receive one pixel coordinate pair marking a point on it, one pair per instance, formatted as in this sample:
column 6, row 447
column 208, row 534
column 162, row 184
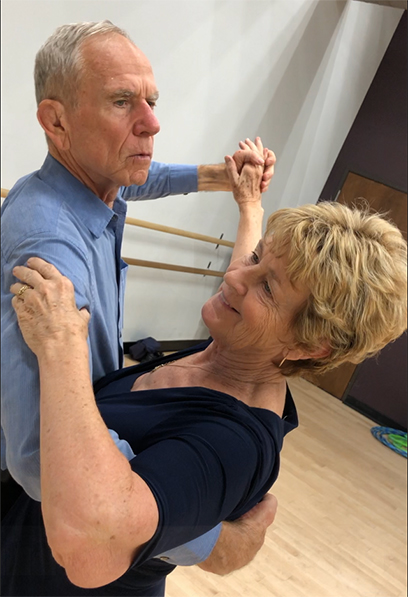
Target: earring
column 281, row 363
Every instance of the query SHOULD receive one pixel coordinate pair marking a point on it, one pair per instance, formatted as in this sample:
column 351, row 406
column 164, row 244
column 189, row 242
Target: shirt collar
column 93, row 212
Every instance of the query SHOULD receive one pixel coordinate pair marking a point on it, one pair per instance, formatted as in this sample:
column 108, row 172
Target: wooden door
column 386, row 200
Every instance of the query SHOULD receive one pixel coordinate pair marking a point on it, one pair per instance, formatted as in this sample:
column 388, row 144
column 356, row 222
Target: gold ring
column 23, row 289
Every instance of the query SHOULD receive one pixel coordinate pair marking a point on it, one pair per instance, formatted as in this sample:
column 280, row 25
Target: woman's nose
column 236, row 279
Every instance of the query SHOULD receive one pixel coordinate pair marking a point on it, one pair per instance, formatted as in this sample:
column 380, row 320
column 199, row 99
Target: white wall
column 293, row 71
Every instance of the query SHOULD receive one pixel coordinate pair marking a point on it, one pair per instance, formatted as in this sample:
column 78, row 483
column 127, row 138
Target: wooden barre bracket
column 177, row 231
column 171, row 267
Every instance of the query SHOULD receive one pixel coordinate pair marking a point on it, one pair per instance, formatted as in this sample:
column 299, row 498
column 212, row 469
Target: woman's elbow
column 90, row 566
column 96, row 545
column 94, row 555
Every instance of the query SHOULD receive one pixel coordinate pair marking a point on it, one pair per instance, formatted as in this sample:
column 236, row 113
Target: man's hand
column 241, row 540
column 244, row 174
column 215, row 177
column 249, row 154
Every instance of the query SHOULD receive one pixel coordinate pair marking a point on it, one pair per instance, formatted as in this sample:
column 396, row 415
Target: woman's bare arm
column 245, row 186
column 97, row 511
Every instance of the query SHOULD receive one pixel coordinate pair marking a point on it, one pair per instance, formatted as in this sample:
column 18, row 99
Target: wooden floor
column 340, row 530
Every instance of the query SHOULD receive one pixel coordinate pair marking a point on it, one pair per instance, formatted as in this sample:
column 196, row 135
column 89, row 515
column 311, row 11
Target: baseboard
column 372, row 414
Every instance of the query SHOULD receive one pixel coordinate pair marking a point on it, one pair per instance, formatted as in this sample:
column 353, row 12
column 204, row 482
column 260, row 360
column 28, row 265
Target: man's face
column 111, row 128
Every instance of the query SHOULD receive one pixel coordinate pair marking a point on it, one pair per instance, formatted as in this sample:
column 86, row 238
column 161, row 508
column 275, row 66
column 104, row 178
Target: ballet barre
column 178, row 232
column 173, row 267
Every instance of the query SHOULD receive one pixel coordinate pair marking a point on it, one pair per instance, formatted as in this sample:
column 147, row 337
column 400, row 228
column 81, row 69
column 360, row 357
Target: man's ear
column 51, row 116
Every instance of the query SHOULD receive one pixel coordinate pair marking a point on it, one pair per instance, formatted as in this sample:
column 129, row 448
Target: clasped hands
column 250, row 171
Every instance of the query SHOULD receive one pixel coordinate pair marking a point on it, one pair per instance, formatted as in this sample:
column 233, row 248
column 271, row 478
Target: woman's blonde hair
column 354, row 263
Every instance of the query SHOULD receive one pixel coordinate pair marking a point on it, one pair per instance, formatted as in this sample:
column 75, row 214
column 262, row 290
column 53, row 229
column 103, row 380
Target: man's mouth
column 141, row 156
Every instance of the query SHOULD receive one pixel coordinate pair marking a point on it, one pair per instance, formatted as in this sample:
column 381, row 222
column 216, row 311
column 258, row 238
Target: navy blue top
column 205, row 455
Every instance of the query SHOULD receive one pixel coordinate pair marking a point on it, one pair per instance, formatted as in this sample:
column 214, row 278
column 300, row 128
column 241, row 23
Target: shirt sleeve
column 122, row 445
column 164, row 180
column 193, row 552
column 20, row 410
column 202, row 478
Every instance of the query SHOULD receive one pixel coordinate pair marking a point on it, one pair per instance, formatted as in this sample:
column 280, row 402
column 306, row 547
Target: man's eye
column 152, row 104
column 121, row 103
column 254, row 257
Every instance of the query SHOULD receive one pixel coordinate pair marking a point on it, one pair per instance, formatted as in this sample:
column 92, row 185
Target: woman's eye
column 255, row 259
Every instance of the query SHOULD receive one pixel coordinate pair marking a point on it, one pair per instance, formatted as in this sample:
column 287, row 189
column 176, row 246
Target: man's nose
column 146, row 121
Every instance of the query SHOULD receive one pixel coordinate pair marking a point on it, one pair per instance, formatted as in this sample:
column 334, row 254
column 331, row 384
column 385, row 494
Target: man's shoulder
column 34, row 209
column 28, row 198
column 37, row 220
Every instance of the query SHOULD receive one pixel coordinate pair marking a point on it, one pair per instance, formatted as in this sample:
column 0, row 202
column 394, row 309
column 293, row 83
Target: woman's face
column 255, row 305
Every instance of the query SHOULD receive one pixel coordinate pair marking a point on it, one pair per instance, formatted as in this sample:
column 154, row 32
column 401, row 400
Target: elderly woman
column 326, row 284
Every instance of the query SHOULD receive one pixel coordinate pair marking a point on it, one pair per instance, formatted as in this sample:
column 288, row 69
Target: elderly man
column 96, row 95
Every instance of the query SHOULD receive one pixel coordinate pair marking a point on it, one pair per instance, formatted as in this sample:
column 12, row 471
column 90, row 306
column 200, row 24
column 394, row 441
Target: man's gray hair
column 58, row 64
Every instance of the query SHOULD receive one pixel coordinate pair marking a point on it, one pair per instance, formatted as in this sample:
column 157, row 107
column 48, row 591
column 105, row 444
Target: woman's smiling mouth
column 225, row 302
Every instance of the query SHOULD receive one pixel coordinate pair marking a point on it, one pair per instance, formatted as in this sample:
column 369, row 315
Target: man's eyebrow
column 128, row 94
column 154, row 96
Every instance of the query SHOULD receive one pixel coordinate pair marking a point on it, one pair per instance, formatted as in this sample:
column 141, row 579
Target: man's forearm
column 240, row 541
column 213, row 177
column 234, row 549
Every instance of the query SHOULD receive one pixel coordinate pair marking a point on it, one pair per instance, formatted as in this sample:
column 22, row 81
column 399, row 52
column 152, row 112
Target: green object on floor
column 393, row 438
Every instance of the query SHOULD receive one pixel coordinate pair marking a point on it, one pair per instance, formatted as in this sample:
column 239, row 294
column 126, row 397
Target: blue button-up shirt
column 51, row 214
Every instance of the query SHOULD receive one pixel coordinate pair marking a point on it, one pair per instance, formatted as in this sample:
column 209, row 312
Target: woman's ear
column 51, row 116
column 297, row 354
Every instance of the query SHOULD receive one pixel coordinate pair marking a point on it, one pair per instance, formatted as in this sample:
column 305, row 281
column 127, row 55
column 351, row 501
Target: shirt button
column 164, row 558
